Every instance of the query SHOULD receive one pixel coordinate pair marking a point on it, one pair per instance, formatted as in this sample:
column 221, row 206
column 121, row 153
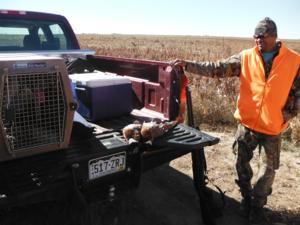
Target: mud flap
column 200, row 170
column 188, row 138
column 209, row 209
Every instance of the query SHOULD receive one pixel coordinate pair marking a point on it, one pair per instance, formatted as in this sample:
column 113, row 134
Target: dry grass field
column 214, row 103
column 214, row 100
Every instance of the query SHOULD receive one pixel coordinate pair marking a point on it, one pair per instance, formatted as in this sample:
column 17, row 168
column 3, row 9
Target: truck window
column 58, row 34
column 32, row 35
column 11, row 38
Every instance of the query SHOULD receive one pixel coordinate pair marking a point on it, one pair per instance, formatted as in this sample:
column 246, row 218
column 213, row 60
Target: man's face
column 265, row 43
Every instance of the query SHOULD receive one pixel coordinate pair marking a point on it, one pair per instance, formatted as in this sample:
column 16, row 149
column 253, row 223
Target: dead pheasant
column 152, row 130
column 132, row 131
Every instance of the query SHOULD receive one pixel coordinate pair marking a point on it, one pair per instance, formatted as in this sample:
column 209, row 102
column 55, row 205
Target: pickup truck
column 61, row 140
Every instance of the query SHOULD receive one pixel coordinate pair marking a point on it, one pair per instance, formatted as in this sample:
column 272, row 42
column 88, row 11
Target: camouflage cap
column 265, row 26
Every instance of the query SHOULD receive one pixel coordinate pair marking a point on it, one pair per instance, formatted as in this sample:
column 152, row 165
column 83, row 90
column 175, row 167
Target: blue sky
column 182, row 17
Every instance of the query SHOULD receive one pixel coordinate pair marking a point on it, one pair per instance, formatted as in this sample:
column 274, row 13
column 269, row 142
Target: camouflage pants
column 246, row 142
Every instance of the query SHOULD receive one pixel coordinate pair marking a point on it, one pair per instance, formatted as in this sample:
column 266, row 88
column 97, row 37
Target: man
column 269, row 97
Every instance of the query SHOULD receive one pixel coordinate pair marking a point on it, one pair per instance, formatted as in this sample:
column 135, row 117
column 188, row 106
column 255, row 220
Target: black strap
column 222, row 193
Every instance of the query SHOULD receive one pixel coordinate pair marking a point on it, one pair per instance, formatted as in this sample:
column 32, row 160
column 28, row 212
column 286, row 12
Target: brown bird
column 132, row 131
column 152, row 130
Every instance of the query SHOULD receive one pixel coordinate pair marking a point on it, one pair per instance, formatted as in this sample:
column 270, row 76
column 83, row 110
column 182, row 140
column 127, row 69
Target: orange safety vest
column 260, row 103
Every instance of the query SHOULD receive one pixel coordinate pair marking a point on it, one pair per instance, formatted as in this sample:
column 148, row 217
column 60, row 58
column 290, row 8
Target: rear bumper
column 56, row 175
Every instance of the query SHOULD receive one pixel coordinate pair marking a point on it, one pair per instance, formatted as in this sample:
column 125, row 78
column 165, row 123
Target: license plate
column 107, row 165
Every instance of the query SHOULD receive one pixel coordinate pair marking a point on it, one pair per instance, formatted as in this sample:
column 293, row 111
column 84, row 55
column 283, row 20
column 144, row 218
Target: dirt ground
column 167, row 197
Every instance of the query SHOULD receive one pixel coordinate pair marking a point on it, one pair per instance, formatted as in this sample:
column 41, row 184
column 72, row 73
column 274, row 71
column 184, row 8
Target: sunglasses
column 260, row 36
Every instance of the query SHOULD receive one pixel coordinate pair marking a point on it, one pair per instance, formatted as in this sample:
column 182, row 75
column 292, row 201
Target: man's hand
column 177, row 64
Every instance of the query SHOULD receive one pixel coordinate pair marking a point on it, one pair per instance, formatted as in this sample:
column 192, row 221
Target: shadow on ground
column 165, row 197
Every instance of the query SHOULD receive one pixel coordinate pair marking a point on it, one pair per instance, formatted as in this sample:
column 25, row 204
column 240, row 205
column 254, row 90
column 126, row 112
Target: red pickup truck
column 62, row 114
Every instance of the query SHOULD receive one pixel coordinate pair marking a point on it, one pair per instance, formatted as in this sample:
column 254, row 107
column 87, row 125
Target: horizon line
column 180, row 35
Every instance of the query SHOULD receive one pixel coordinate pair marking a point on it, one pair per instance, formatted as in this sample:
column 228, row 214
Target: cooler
column 102, row 96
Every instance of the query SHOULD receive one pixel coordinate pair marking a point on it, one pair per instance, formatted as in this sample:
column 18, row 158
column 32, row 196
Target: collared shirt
column 268, row 58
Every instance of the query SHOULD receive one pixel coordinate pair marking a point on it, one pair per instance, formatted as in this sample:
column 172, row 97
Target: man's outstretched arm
column 224, row 68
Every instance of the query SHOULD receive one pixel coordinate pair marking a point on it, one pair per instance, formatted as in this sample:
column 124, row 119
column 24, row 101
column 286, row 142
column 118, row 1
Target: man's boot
column 257, row 216
column 245, row 189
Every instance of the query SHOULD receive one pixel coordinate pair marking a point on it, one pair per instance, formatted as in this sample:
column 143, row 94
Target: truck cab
column 55, row 136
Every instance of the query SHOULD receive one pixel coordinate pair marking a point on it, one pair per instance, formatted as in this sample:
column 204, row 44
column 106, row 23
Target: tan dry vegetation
column 214, row 100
